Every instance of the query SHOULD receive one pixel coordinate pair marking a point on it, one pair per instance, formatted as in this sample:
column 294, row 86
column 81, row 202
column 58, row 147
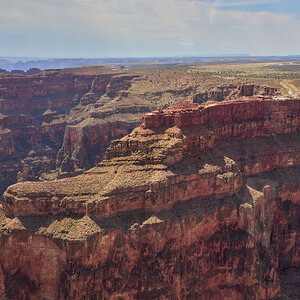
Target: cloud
column 186, row 43
column 141, row 28
column 220, row 3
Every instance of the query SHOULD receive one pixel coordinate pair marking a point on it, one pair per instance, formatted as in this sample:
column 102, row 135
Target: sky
column 143, row 28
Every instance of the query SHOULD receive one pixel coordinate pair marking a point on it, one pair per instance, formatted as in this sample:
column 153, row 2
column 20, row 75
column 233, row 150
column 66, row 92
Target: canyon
column 42, row 114
column 58, row 123
column 201, row 201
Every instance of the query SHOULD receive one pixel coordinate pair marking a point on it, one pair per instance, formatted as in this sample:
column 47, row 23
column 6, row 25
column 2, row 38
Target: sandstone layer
column 196, row 203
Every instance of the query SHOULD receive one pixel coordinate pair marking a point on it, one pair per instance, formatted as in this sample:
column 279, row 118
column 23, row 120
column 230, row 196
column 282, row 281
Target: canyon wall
column 59, row 123
column 221, row 93
column 38, row 112
column 196, row 203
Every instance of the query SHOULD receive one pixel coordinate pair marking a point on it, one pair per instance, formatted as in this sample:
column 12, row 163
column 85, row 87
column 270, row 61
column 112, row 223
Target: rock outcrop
column 199, row 202
column 60, row 122
column 38, row 112
column 224, row 92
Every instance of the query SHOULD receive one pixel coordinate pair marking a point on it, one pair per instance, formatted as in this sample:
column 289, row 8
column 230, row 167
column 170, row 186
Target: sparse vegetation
column 259, row 73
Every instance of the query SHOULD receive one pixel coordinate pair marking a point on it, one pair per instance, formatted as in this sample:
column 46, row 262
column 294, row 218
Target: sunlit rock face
column 196, row 203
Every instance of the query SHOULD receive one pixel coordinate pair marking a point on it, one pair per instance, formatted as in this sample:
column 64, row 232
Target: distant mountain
column 24, row 64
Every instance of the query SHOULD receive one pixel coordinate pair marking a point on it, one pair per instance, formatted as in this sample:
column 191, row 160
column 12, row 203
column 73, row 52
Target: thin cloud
column 241, row 3
column 186, row 43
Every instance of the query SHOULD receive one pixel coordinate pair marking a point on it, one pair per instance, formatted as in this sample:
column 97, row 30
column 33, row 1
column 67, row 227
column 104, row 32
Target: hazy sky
column 122, row 28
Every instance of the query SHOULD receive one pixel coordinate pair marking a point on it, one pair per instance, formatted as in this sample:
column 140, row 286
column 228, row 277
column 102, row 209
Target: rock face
column 196, row 203
column 59, row 123
column 44, row 113
column 220, row 93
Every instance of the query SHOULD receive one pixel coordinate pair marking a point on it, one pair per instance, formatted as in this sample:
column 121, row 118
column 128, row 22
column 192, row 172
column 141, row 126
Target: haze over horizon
column 148, row 28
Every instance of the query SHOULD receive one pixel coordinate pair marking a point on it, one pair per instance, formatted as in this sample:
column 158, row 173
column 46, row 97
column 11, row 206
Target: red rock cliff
column 60, row 122
column 38, row 112
column 197, row 203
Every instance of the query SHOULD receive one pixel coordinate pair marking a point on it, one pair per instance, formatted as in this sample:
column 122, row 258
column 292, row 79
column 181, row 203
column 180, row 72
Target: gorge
column 198, row 202
column 58, row 123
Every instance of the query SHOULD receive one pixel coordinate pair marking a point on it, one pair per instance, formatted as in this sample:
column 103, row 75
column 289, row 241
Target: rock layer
column 61, row 122
column 168, row 138
column 38, row 111
column 196, row 203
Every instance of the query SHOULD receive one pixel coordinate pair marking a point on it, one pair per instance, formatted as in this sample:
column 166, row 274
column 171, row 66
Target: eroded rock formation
column 61, row 122
column 196, row 203
column 41, row 114
column 223, row 92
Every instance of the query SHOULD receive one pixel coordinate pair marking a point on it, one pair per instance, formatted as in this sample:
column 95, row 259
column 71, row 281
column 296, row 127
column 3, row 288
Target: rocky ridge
column 59, row 123
column 199, row 202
